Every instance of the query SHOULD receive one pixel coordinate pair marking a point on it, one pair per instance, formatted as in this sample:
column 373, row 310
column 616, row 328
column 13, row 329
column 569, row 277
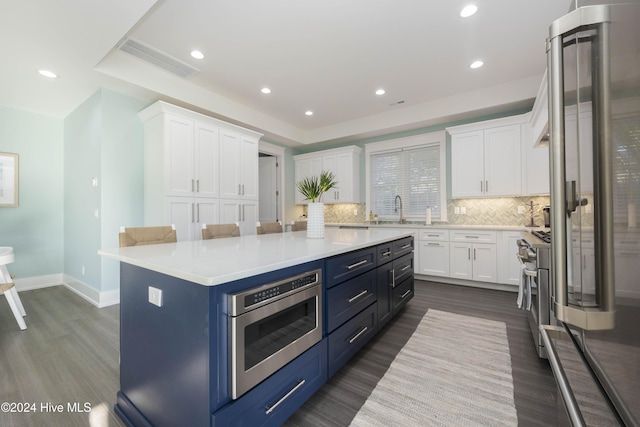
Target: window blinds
column 411, row 173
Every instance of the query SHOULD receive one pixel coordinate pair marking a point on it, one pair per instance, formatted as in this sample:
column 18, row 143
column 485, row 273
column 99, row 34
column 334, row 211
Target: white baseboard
column 471, row 283
column 93, row 296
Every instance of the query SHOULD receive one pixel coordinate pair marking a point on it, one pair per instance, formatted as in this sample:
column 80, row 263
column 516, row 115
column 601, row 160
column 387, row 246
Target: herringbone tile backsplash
column 498, row 211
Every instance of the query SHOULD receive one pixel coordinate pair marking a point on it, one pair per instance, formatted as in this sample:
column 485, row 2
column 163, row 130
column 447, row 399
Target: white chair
column 8, row 288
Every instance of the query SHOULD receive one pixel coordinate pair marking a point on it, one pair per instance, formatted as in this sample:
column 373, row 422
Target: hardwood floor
column 69, row 354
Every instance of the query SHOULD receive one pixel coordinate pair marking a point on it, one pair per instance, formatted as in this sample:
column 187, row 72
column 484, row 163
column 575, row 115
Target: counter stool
column 8, row 288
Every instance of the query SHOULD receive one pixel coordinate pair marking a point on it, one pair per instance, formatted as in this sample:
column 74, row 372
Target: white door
column 248, row 165
column 467, row 164
column 180, row 211
column 306, row 168
column 434, row 258
column 207, row 211
column 460, row 262
column 179, row 179
column 206, row 160
column 484, row 262
column 229, row 164
column 268, row 189
column 502, row 170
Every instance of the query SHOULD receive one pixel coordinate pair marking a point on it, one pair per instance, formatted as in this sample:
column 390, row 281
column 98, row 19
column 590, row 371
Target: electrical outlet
column 520, row 209
column 355, row 212
column 456, row 210
column 463, row 210
column 155, row 296
column 83, row 270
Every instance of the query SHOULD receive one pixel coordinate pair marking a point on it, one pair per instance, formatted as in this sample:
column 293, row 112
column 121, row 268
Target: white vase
column 315, row 221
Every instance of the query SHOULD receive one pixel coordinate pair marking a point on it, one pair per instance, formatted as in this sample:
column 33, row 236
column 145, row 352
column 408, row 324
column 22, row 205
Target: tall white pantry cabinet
column 195, row 167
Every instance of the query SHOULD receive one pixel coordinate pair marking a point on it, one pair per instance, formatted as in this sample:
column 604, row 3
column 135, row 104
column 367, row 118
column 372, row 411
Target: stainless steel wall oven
column 271, row 325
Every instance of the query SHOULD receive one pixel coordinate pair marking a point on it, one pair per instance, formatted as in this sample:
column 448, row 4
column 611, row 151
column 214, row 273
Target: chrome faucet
column 395, row 205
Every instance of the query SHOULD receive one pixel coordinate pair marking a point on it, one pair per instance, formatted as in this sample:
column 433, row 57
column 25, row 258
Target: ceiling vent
column 157, row 58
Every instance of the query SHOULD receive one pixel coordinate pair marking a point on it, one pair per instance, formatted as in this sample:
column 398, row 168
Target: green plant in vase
column 312, row 188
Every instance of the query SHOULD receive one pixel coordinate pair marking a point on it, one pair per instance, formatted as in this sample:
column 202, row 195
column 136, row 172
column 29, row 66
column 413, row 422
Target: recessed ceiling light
column 48, row 74
column 380, row 92
column 197, row 54
column 265, row 90
column 309, row 113
column 468, row 10
column 477, row 64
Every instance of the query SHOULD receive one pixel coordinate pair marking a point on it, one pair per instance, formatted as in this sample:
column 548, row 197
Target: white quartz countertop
column 218, row 261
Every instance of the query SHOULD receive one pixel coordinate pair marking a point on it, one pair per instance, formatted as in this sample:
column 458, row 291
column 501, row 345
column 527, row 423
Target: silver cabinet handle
column 433, row 244
column 270, row 409
column 192, row 188
column 239, row 190
column 197, row 185
column 239, row 213
column 357, row 264
column 598, row 19
column 193, row 216
column 469, row 252
column 433, row 235
column 352, row 299
column 393, row 278
column 243, row 189
column 405, row 294
column 474, row 254
column 406, row 246
column 486, row 186
column 406, row 267
column 362, row 331
column 387, row 253
column 244, row 218
column 481, row 187
column 471, row 237
column 198, row 212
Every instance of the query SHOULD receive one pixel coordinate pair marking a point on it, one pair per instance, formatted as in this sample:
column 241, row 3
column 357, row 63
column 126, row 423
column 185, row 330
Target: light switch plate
column 155, row 296
column 463, row 210
column 520, row 209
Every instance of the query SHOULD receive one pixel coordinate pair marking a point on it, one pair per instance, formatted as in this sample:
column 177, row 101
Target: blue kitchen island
column 242, row 331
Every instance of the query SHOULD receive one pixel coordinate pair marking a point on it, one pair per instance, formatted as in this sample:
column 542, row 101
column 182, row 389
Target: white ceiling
column 327, row 56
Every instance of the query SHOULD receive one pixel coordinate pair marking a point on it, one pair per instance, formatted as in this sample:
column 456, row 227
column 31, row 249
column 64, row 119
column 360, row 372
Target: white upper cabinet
column 486, row 158
column 239, row 165
column 343, row 162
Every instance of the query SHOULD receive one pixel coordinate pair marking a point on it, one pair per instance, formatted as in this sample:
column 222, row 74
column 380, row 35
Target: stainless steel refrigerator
column 594, row 123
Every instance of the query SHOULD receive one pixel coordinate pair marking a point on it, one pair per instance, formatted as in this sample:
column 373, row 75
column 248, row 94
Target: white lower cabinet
column 244, row 212
column 473, row 255
column 188, row 215
column 509, row 268
column 434, row 258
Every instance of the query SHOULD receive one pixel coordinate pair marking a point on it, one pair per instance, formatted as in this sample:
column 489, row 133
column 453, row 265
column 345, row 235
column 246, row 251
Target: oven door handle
column 270, row 409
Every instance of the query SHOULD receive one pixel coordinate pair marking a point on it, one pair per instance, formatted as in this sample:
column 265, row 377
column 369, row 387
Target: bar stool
column 8, row 288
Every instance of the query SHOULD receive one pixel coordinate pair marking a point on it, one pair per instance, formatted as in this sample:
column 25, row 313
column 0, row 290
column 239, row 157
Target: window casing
column 413, row 168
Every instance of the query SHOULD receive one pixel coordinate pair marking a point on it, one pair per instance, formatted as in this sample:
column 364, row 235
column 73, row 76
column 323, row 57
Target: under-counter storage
column 401, row 295
column 473, row 255
column 402, row 246
column 280, row 395
column 351, row 337
column 385, row 253
column 350, row 298
column 349, row 265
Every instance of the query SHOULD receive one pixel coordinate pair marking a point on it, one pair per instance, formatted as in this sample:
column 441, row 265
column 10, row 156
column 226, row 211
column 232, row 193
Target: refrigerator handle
column 561, row 378
column 564, row 198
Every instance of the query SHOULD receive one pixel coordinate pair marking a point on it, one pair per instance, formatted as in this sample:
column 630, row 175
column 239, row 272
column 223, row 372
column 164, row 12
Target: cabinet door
column 467, row 164
column 537, row 169
column 229, row 161
column 484, row 262
column 180, row 211
column 244, row 212
column 434, row 259
column 460, row 262
column 345, row 175
column 207, row 211
column 179, row 153
column 509, row 268
column 304, row 169
column 230, row 211
column 502, row 169
column 384, row 284
column 248, row 165
column 206, row 160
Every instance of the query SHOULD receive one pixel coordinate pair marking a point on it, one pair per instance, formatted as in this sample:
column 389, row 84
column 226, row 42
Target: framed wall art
column 8, row 180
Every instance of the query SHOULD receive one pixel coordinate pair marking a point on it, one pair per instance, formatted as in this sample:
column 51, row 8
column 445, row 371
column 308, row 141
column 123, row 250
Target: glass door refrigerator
column 594, row 122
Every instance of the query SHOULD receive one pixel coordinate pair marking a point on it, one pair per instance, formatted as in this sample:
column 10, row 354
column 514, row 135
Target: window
column 412, row 168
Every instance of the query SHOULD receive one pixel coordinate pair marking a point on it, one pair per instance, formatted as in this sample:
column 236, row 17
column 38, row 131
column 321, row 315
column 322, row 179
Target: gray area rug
column 455, row 370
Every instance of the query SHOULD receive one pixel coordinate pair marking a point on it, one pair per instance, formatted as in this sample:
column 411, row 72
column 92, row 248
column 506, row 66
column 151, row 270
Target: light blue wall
column 103, row 139
column 35, row 228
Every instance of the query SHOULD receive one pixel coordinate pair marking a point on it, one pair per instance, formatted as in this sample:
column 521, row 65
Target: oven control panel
column 259, row 296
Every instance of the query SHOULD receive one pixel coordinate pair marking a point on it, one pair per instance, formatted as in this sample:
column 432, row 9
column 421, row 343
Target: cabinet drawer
column 385, row 253
column 402, row 268
column 348, row 339
column 402, row 246
column 346, row 300
column 344, row 267
column 434, row 235
column 402, row 293
column 276, row 398
column 473, row 236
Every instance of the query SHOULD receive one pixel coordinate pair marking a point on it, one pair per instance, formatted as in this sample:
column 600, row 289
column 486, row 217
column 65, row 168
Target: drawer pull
column 405, row 294
column 358, row 296
column 433, row 244
column 405, row 267
column 362, row 331
column 357, row 264
column 433, row 235
column 472, row 237
column 406, row 246
column 270, row 409
column 387, row 253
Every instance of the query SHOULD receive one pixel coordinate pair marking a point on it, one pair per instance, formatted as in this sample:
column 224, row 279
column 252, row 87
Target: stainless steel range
column 535, row 254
